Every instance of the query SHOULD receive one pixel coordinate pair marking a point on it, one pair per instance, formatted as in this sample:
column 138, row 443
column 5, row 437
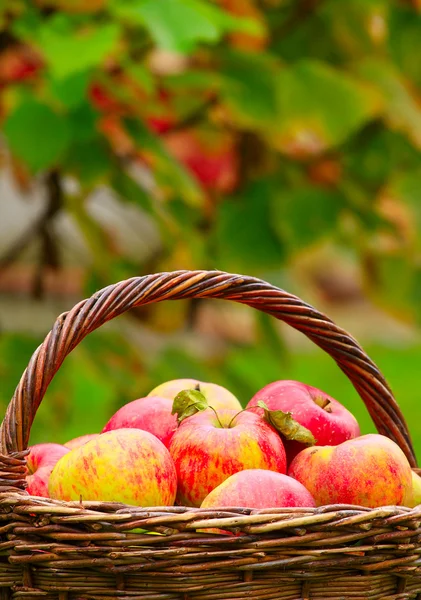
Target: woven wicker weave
column 70, row 551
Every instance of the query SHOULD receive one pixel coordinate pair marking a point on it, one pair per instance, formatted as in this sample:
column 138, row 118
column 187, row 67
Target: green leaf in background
column 83, row 121
column 391, row 287
column 306, row 215
column 359, row 28
column 90, row 161
column 401, row 106
column 179, row 25
column 375, row 153
column 77, row 50
column 319, row 108
column 27, row 24
column 249, row 88
column 245, row 237
column 404, row 37
column 71, row 91
column 32, row 121
column 405, row 189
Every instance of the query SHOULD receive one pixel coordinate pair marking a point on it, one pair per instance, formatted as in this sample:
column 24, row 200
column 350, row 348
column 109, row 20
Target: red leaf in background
column 18, row 63
column 214, row 164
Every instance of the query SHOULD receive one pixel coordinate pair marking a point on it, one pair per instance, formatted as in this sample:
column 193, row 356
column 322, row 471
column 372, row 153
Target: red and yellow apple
column 328, row 421
column 259, row 488
column 217, row 396
column 40, row 462
column 81, row 440
column 125, row 465
column 370, row 470
column 152, row 414
column 207, row 448
column 416, row 491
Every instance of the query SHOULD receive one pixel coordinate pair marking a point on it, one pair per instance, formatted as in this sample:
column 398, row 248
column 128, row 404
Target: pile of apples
column 192, row 444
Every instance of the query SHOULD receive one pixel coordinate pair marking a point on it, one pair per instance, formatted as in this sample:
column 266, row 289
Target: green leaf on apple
column 188, row 403
column 287, row 425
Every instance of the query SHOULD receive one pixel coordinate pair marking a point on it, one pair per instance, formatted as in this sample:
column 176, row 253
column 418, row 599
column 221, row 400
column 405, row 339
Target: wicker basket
column 68, row 551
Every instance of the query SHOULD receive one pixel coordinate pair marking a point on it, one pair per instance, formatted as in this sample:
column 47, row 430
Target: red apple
column 152, row 414
column 217, row 396
column 40, row 462
column 370, row 470
column 258, row 488
column 79, row 441
column 329, row 421
column 125, row 465
column 207, row 448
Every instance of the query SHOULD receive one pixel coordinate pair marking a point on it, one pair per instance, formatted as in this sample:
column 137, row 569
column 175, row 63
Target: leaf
column 89, row 160
column 289, row 427
column 401, row 105
column 180, row 25
column 306, row 214
column 391, row 288
column 37, row 135
column 319, row 108
column 71, row 91
column 249, row 86
column 77, row 50
column 245, row 236
column 404, row 36
column 83, row 121
column 188, row 403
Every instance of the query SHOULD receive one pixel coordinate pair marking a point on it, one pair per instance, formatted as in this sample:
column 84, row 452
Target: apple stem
column 323, row 403
column 216, row 415
column 234, row 417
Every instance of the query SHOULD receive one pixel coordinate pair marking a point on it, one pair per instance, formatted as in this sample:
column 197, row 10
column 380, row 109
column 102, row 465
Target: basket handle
column 70, row 329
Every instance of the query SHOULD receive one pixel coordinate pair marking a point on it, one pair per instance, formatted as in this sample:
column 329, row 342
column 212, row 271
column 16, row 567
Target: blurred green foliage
column 249, row 133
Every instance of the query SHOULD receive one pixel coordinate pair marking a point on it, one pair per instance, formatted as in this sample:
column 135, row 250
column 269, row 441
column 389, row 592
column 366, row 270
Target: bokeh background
column 274, row 138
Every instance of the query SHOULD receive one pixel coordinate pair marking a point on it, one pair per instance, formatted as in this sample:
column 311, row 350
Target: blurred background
column 275, row 138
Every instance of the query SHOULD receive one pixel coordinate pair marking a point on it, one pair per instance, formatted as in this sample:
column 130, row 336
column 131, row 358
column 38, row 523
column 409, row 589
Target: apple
column 79, row 441
column 152, row 414
column 125, row 465
column 370, row 470
column 416, row 491
column 217, row 396
column 208, row 447
column 40, row 462
column 259, row 488
column 329, row 421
